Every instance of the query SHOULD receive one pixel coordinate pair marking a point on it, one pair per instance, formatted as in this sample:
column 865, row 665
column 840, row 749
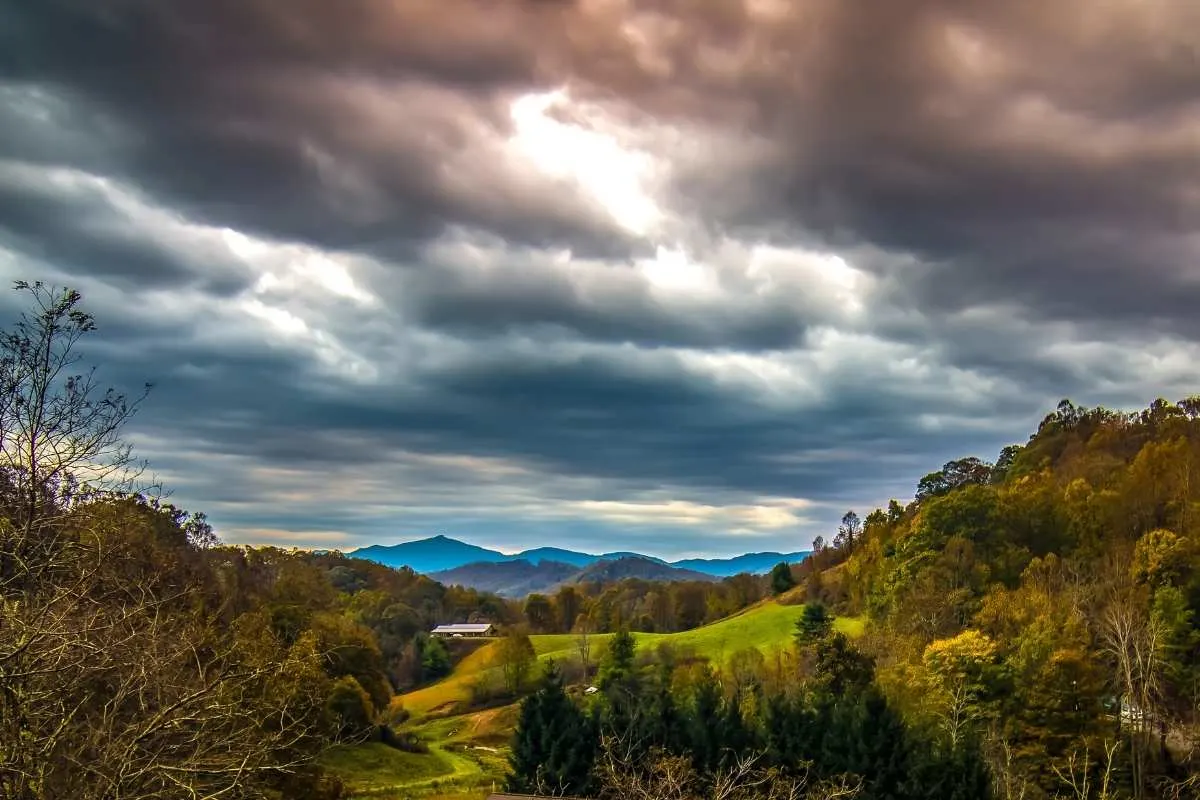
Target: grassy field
column 468, row 752
column 375, row 767
column 766, row 626
column 467, row 760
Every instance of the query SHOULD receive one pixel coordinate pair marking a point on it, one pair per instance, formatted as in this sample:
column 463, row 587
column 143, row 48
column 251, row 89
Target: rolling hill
column 766, row 626
column 520, row 578
column 441, row 553
column 508, row 578
column 635, row 567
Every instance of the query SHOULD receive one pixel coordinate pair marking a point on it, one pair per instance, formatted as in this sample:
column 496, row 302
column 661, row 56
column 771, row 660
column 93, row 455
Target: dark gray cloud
column 762, row 262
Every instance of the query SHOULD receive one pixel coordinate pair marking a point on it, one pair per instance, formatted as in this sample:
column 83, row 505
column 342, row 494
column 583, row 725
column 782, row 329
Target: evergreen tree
column 863, row 736
column 737, row 737
column 663, row 720
column 961, row 774
column 841, row 668
column 435, row 659
column 815, row 624
column 781, row 578
column 555, row 743
column 705, row 731
column 881, row 754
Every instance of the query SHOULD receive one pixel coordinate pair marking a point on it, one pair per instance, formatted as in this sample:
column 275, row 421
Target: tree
column 567, row 605
column 1134, row 641
column 850, row 531
column 516, row 659
column 781, row 578
column 814, row 624
column 841, row 668
column 617, row 668
column 350, row 706
column 964, row 675
column 554, row 745
column 690, row 604
column 583, row 643
column 435, row 659
column 118, row 676
column 952, row 475
column 539, row 612
column 59, row 428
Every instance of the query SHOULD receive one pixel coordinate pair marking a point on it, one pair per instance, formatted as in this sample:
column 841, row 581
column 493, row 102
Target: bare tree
column 57, row 424
column 1078, row 774
column 627, row 772
column 59, row 430
column 583, row 643
column 1133, row 639
column 1009, row 780
column 115, row 683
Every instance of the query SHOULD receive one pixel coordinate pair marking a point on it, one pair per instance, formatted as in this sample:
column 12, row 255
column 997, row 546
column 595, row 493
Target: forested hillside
column 1045, row 605
column 1032, row 634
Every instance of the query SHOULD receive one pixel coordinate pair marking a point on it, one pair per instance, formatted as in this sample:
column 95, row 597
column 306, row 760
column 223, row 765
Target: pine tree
column 781, row 578
column 705, row 730
column 814, row 624
column 863, row 736
column 435, row 660
column 555, row 743
column 619, row 681
column 961, row 774
column 841, row 668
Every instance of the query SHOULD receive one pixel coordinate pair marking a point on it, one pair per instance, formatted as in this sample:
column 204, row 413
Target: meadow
column 468, row 751
column 766, row 626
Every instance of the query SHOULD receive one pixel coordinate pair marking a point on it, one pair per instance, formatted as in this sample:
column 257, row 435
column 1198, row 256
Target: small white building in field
column 465, row 630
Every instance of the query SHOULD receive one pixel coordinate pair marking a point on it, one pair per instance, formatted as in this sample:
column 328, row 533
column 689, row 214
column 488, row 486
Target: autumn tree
column 118, row 677
column 517, row 657
column 567, row 605
column 539, row 612
column 849, row 532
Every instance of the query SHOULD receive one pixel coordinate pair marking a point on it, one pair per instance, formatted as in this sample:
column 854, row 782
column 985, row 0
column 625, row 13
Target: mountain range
column 520, row 578
column 455, row 562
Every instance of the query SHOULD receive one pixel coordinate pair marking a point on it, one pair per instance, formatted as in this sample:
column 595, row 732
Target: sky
column 689, row 277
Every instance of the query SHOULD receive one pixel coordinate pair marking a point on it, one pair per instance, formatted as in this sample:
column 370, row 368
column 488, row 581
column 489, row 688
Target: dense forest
column 1032, row 631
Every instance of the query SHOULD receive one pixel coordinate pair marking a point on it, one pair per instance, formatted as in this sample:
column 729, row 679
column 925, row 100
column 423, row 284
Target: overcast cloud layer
column 688, row 277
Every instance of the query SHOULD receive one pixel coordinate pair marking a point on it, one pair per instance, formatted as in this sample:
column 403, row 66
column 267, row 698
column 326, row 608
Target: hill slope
column 428, row 555
column 635, row 567
column 520, row 578
column 766, row 627
column 756, row 563
column 508, row 578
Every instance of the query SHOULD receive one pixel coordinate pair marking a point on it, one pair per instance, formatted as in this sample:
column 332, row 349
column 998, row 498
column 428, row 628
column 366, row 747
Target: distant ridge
column 520, row 577
column 439, row 554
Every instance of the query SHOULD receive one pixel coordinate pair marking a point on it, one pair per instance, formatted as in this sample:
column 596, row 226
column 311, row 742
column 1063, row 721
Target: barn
column 465, row 630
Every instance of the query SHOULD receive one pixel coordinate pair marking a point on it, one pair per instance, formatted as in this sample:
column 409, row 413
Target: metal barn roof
column 461, row 627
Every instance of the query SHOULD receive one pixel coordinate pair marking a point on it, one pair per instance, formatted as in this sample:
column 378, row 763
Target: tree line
column 667, row 727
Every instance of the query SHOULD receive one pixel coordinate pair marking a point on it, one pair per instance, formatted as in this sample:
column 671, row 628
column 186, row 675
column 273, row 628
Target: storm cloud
column 690, row 277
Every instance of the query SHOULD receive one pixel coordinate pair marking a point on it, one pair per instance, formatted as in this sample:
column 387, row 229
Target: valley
column 468, row 747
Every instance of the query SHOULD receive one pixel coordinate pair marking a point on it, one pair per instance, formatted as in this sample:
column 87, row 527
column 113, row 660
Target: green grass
column 469, row 751
column 853, row 627
column 766, row 626
column 373, row 767
column 467, row 759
